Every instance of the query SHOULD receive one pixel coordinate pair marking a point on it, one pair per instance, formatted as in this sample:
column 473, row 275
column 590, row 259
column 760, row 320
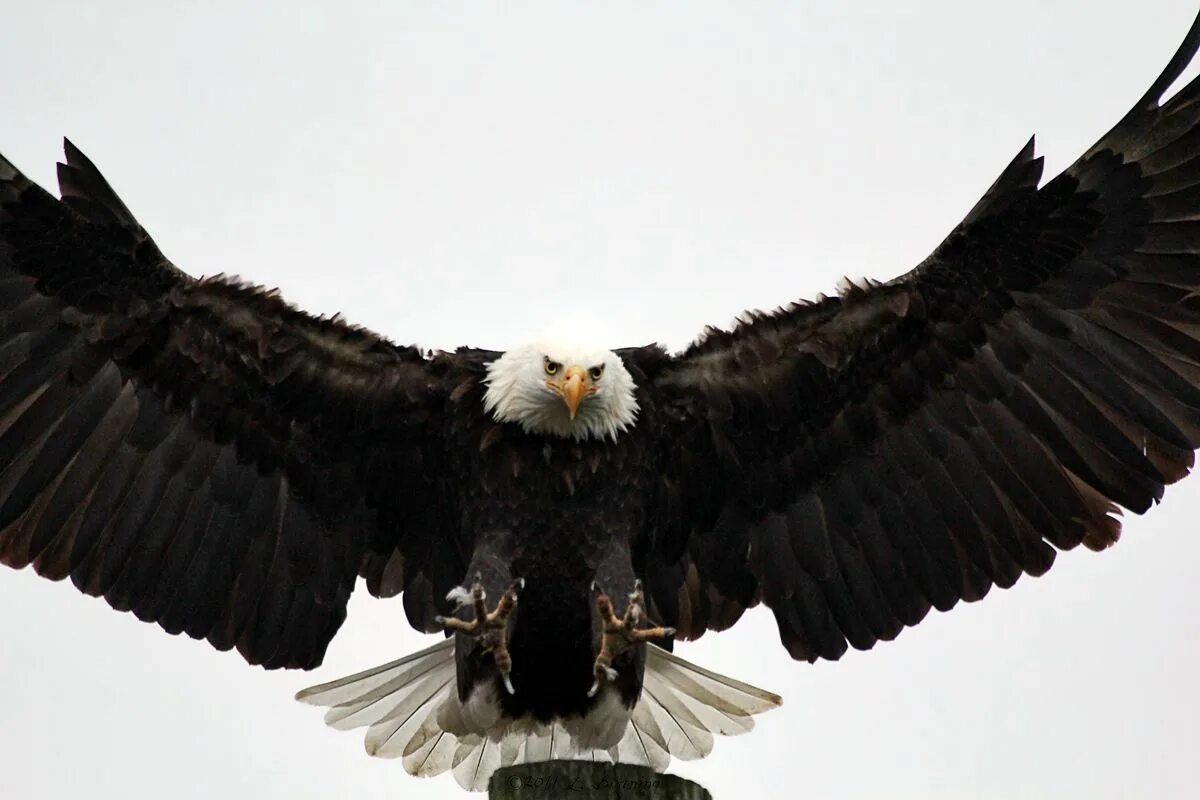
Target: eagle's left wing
column 855, row 461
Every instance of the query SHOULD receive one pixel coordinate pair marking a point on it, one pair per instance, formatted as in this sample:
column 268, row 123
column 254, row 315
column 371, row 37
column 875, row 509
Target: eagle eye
column 551, row 367
column 595, row 372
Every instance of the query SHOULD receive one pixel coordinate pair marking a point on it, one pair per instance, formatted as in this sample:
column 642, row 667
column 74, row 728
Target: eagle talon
column 490, row 628
column 620, row 633
column 608, row 674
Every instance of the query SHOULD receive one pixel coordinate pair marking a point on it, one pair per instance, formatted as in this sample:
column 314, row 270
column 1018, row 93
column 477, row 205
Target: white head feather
column 517, row 391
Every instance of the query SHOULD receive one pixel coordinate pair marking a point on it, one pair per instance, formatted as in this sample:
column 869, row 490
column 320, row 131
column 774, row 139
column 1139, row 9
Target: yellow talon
column 490, row 628
column 620, row 633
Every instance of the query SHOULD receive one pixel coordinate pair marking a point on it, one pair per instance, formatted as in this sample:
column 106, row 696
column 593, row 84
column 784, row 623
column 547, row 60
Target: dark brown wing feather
column 199, row 452
column 856, row 461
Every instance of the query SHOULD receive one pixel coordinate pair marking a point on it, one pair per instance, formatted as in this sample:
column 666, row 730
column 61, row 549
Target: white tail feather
column 355, row 687
column 687, row 738
column 408, row 704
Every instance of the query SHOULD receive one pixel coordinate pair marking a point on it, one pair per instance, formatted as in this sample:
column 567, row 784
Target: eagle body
column 208, row 457
column 561, row 514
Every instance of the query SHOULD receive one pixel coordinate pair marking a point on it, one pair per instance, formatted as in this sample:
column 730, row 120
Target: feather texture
column 197, row 451
column 406, row 705
column 909, row 445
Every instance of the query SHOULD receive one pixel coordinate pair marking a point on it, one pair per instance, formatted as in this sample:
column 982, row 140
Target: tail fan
column 682, row 707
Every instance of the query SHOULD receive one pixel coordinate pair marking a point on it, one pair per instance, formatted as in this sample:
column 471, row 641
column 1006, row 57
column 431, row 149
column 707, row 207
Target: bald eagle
column 201, row 453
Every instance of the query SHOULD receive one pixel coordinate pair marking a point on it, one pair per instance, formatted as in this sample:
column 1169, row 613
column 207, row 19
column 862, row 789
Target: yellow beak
column 574, row 387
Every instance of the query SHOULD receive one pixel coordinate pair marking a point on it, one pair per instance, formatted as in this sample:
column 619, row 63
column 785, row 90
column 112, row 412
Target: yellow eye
column 595, row 372
column 551, row 367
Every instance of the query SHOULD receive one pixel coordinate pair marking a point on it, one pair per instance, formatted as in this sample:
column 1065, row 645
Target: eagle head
column 561, row 390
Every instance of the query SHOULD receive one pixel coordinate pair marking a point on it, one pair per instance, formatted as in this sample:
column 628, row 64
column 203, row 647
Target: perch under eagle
column 208, row 457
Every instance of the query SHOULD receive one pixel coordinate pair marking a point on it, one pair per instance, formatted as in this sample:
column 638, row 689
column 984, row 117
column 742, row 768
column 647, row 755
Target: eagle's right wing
column 199, row 452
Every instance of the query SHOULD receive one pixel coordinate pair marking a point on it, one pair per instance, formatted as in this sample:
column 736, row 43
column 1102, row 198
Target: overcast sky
column 453, row 173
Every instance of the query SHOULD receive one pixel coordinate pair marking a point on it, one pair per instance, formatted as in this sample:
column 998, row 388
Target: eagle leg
column 489, row 627
column 620, row 633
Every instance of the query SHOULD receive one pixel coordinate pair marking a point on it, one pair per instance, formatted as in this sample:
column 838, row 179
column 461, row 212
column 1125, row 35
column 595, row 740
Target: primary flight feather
column 201, row 453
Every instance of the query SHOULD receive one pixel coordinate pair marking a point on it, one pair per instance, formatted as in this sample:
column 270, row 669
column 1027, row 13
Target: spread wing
column 197, row 451
column 855, row 461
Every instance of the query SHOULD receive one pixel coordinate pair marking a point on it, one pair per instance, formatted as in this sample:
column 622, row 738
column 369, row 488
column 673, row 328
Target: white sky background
column 454, row 173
